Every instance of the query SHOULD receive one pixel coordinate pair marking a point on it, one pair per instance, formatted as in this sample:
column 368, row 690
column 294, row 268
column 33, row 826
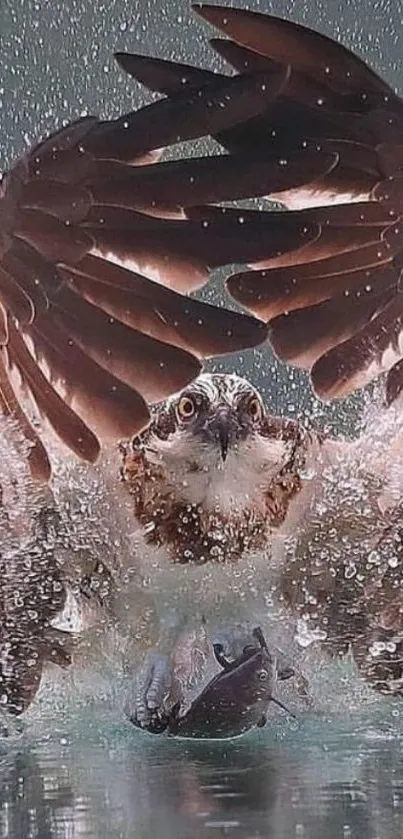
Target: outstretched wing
column 100, row 242
column 334, row 304
column 96, row 255
column 335, row 308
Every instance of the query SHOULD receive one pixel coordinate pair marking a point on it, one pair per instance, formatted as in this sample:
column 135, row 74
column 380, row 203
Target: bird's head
column 215, row 444
column 221, row 411
column 215, row 414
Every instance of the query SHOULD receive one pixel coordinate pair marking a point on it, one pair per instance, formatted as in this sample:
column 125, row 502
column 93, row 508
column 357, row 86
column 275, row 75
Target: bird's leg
column 155, row 688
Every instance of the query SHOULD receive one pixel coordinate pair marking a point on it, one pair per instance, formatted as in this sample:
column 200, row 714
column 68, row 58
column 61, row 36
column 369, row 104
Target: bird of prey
column 101, row 243
column 235, row 506
column 97, row 259
column 100, row 240
column 214, row 474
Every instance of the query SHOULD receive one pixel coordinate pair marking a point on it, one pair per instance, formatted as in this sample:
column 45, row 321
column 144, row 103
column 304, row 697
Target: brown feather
column 9, row 404
column 69, row 137
column 302, row 336
column 53, row 239
column 114, row 346
column 67, row 425
column 14, row 299
column 168, row 250
column 208, row 111
column 114, row 410
column 155, row 310
column 269, row 293
column 286, row 290
column 288, row 42
column 210, row 179
column 65, row 166
column 372, row 350
column 29, row 271
column 299, row 86
column 3, row 326
column 164, row 76
column 67, row 202
column 252, row 236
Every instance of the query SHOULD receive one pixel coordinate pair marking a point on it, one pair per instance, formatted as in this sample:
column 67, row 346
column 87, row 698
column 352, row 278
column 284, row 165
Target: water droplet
column 350, row 571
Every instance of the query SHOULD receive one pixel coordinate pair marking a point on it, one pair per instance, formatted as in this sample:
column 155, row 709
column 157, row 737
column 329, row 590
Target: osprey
column 101, row 243
column 237, row 508
column 214, row 474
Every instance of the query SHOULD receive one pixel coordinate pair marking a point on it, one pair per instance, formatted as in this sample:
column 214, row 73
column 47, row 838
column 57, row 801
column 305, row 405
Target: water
column 91, row 775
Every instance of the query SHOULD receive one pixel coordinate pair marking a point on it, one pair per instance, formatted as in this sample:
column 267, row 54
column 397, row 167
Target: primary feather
column 100, row 241
column 332, row 302
column 93, row 339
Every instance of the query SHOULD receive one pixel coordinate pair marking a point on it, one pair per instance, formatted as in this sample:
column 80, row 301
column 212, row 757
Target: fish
column 236, row 699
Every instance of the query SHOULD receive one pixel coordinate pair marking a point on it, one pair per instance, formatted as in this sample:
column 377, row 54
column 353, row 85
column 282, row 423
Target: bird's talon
column 155, row 692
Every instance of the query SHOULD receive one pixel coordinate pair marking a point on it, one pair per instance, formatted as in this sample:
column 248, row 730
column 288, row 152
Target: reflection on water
column 100, row 778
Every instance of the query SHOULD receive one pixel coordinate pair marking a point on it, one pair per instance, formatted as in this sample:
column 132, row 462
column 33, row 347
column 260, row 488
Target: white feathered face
column 215, row 414
column 218, row 411
column 215, row 441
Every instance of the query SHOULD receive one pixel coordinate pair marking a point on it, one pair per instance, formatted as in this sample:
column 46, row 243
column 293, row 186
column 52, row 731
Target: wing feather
column 10, row 406
column 107, row 340
column 98, row 237
column 66, row 423
column 310, row 52
column 158, row 311
column 335, row 302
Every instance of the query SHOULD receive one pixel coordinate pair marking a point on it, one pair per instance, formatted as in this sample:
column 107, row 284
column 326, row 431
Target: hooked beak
column 223, row 428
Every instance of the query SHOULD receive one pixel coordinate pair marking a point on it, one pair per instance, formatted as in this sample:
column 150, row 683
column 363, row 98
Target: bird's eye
column 186, row 408
column 255, row 409
column 262, row 675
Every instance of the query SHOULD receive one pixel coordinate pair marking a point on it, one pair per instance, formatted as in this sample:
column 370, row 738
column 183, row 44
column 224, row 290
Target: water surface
column 92, row 775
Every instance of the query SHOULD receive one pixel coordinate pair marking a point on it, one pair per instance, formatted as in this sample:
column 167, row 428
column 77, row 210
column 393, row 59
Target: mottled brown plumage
column 206, row 530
